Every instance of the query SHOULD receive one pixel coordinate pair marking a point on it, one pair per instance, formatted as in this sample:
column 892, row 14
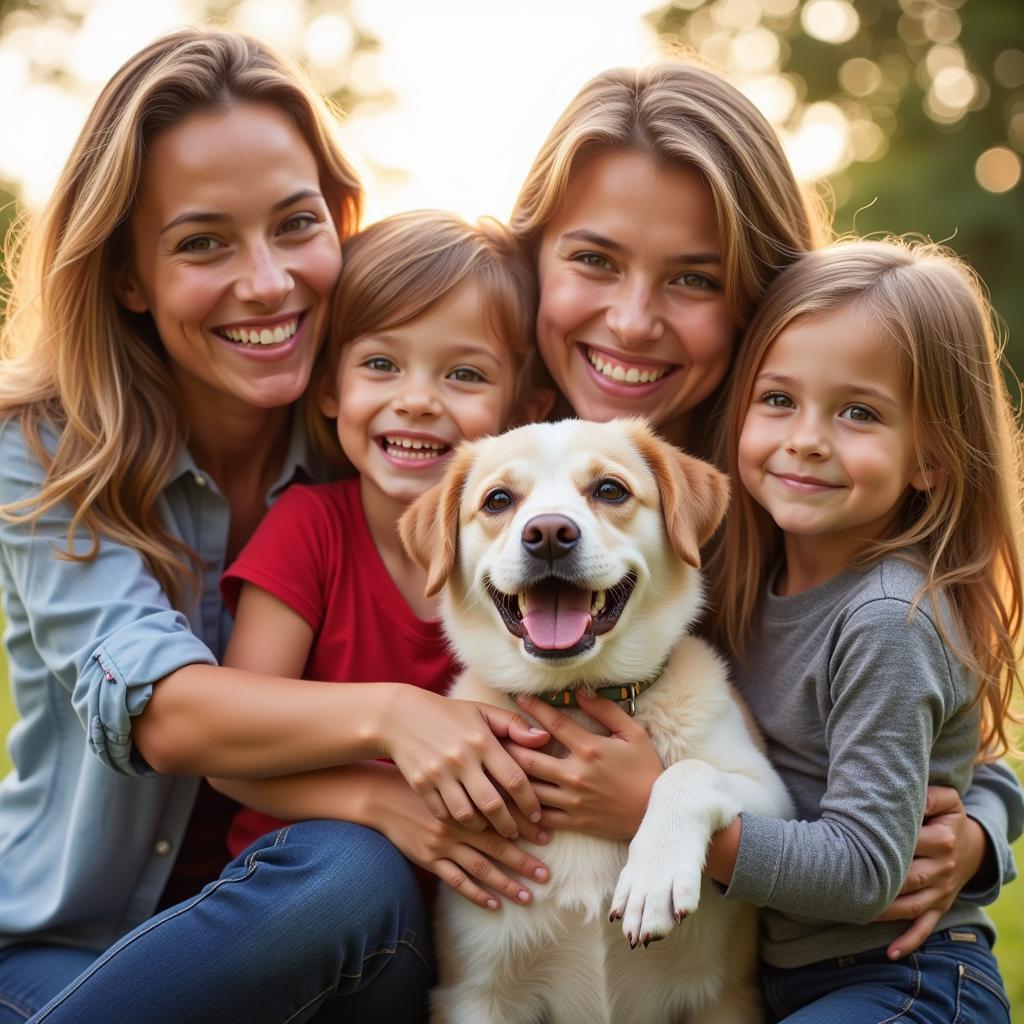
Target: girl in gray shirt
column 870, row 585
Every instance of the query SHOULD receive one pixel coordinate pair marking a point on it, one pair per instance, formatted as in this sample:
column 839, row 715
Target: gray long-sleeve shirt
column 861, row 710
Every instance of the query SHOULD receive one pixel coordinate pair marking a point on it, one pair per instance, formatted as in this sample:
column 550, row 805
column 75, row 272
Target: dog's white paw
column 655, row 892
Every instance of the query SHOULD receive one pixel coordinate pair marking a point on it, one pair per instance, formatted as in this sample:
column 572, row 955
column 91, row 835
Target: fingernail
column 537, row 730
column 535, row 817
column 522, row 700
column 540, row 874
column 543, row 836
column 896, row 954
column 492, row 904
column 523, row 896
column 513, row 835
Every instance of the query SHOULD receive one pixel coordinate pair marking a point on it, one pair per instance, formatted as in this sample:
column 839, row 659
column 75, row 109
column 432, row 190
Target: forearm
column 978, row 860
column 346, row 793
column 995, row 806
column 209, row 720
column 832, row 869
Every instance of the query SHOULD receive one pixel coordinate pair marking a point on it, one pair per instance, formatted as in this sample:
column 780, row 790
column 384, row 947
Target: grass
column 1007, row 912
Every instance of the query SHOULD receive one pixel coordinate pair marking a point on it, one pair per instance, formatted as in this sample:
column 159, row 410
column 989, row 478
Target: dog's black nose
column 550, row 536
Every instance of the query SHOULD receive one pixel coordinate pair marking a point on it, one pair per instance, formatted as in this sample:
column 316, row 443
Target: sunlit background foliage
column 911, row 112
column 908, row 114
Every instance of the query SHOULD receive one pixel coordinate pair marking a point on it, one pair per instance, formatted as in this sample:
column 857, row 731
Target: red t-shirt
column 313, row 551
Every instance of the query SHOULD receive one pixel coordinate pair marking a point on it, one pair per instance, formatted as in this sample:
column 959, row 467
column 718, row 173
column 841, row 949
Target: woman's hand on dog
column 450, row 753
column 602, row 784
column 949, row 852
column 481, row 866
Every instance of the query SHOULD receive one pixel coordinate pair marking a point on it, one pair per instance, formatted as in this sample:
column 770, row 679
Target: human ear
column 927, row 473
column 534, row 408
column 128, row 291
column 926, row 478
column 327, row 395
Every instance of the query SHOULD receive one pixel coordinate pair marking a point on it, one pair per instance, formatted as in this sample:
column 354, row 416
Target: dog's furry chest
column 584, row 870
column 678, row 712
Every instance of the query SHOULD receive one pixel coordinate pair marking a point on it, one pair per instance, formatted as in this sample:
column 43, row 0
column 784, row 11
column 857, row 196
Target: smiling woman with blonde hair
column 168, row 306
column 659, row 210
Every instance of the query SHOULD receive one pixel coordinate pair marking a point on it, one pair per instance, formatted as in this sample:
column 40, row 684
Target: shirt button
column 200, row 480
column 162, row 847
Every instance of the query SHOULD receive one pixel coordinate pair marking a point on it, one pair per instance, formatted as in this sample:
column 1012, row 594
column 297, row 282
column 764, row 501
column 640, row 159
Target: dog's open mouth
column 556, row 619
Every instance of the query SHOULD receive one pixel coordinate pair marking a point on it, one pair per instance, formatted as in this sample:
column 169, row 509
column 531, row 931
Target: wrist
column 979, row 862
column 370, row 793
column 723, row 850
column 386, row 711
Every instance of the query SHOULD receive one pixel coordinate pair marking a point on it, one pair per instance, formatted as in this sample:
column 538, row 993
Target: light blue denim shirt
column 88, row 832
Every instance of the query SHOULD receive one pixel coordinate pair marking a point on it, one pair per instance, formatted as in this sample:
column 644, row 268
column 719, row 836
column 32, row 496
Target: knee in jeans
column 349, row 867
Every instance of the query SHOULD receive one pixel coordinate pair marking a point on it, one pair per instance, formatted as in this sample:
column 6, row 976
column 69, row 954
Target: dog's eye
column 498, row 501
column 611, row 491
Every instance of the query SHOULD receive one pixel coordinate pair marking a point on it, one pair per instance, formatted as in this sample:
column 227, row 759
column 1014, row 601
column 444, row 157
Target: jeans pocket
column 980, row 999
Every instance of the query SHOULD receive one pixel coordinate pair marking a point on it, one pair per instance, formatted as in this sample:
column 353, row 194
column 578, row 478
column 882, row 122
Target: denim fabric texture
column 321, row 921
column 32, row 973
column 952, row 979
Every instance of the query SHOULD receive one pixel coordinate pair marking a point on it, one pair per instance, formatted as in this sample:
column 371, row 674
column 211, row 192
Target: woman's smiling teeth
column 260, row 335
column 625, row 374
column 412, row 447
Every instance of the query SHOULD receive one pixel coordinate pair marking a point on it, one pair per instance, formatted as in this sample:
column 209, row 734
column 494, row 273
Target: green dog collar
column 620, row 694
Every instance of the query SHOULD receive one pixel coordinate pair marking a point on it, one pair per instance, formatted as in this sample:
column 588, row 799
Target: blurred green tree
column 917, row 105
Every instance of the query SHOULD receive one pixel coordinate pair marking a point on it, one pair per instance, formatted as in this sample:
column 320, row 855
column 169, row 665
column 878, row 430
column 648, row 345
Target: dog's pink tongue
column 556, row 617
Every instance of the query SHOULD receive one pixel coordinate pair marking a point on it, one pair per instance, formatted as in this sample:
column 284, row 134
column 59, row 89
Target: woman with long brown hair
column 658, row 210
column 168, row 307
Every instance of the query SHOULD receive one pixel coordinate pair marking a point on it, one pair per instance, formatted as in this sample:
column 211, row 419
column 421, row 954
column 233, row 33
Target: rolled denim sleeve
column 102, row 628
column 995, row 801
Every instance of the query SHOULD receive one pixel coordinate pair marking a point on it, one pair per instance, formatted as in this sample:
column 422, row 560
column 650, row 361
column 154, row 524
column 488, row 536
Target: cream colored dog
column 570, row 553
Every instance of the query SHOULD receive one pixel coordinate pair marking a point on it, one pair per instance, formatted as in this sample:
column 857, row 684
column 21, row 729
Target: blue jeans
column 952, row 979
column 322, row 921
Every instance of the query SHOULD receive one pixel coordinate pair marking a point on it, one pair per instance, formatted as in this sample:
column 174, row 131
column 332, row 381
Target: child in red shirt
column 431, row 345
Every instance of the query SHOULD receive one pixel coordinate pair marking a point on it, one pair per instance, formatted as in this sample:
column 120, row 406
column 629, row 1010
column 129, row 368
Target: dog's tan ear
column 694, row 495
column 429, row 527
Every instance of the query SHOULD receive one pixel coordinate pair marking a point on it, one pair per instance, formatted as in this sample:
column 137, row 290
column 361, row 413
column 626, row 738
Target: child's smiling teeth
column 260, row 335
column 625, row 374
column 412, row 448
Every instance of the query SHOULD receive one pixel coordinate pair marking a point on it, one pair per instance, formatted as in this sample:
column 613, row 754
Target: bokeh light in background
column 447, row 102
column 454, row 98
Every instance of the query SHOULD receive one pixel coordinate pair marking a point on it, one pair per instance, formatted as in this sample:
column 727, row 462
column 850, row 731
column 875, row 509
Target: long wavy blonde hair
column 70, row 356
column 679, row 112
column 966, row 529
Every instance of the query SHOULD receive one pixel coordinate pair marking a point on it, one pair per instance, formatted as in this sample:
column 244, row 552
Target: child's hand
column 949, row 851
column 449, row 752
column 602, row 785
column 482, row 866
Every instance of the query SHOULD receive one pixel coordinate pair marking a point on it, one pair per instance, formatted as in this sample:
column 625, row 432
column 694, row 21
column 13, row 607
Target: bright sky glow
column 480, row 85
column 477, row 83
